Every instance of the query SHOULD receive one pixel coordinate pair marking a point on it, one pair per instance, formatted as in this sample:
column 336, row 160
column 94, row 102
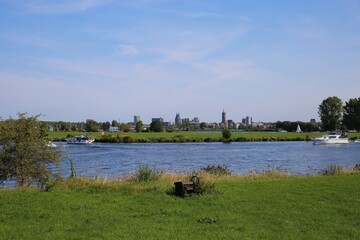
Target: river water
column 114, row 160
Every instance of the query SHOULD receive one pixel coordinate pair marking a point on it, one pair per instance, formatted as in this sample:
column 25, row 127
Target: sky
column 73, row 60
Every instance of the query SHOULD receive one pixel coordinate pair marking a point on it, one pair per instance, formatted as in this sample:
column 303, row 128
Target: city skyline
column 105, row 59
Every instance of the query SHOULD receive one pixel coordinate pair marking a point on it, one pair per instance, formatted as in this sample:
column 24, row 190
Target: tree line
column 336, row 115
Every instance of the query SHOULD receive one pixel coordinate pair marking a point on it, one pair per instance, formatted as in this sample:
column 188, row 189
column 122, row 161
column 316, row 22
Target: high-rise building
column 178, row 119
column 136, row 119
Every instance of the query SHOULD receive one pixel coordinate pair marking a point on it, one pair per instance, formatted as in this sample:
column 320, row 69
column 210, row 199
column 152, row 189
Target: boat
column 357, row 141
column 332, row 138
column 50, row 144
column 80, row 140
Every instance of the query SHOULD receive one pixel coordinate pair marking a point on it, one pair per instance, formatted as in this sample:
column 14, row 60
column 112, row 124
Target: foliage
column 352, row 114
column 139, row 126
column 226, row 134
column 330, row 112
column 217, row 170
column 146, row 174
column 156, row 126
column 91, row 125
column 292, row 126
column 24, row 155
column 203, row 125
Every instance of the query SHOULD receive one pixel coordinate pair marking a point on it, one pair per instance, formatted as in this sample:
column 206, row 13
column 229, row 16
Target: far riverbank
column 191, row 136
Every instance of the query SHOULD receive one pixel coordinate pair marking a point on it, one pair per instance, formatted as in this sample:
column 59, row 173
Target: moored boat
column 332, row 138
column 80, row 140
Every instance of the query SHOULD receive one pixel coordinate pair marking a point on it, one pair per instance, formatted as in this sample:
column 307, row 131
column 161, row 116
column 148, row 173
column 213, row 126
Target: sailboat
column 298, row 129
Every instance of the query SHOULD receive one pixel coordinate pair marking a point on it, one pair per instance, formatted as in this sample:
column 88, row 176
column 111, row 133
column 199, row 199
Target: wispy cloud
column 61, row 7
column 203, row 15
column 126, row 50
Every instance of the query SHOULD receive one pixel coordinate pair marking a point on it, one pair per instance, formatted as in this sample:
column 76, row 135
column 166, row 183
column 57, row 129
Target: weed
column 146, row 174
column 220, row 170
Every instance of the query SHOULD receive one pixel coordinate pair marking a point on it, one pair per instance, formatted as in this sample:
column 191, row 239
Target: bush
column 217, row 170
column 146, row 174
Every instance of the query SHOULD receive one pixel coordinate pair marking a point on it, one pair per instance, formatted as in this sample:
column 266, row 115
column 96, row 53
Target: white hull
column 331, row 139
column 80, row 140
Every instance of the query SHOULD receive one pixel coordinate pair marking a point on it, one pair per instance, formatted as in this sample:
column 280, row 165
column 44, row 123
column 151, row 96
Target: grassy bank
column 258, row 207
column 143, row 137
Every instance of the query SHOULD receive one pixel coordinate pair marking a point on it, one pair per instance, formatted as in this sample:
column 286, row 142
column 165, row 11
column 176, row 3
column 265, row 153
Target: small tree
column 226, row 133
column 139, row 126
column 156, row 126
column 25, row 156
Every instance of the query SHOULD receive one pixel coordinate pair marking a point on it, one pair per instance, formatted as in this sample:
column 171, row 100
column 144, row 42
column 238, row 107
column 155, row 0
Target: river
column 113, row 160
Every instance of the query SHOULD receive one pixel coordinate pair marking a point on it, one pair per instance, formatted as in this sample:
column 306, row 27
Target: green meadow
column 250, row 207
column 201, row 136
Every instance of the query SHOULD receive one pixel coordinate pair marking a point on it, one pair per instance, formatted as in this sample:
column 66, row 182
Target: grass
column 204, row 136
column 252, row 207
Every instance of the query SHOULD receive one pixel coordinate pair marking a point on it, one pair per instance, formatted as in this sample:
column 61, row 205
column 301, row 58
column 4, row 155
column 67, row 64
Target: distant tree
column 352, row 114
column 139, row 126
column 91, row 125
column 330, row 112
column 226, row 134
column 203, row 125
column 24, row 155
column 105, row 126
column 124, row 127
column 114, row 123
column 156, row 126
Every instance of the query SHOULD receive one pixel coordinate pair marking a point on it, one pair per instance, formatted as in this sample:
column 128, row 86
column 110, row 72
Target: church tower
column 223, row 118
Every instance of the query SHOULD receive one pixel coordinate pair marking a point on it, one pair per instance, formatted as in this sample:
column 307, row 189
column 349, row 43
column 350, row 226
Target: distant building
column 223, row 118
column 247, row 121
column 178, row 119
column 136, row 119
column 185, row 120
column 313, row 120
column 113, row 129
column 157, row 119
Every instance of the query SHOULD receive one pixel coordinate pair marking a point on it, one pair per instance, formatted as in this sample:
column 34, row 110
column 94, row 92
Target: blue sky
column 102, row 59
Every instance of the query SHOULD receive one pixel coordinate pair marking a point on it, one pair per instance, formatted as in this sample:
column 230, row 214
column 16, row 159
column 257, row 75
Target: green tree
column 352, row 114
column 139, row 126
column 226, row 133
column 114, row 123
column 25, row 156
column 156, row 126
column 91, row 125
column 125, row 127
column 330, row 113
column 203, row 125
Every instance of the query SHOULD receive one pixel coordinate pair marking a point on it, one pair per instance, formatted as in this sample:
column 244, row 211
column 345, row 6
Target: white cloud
column 126, row 50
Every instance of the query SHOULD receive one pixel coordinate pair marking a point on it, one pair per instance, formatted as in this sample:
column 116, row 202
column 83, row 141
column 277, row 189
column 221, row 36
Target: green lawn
column 192, row 136
column 313, row 207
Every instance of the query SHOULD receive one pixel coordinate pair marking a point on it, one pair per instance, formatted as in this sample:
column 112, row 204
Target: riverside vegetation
column 267, row 205
column 180, row 137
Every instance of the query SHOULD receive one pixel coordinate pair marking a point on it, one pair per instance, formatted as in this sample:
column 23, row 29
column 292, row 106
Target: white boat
column 332, row 138
column 357, row 141
column 50, row 144
column 80, row 140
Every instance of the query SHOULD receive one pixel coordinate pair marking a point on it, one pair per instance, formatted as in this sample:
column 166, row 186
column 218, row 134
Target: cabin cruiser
column 80, row 140
column 332, row 138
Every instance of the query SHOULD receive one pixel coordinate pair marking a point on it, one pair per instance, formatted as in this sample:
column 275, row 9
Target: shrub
column 146, row 174
column 217, row 170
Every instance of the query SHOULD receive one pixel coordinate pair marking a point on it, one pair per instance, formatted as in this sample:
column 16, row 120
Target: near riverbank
column 201, row 136
column 252, row 207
